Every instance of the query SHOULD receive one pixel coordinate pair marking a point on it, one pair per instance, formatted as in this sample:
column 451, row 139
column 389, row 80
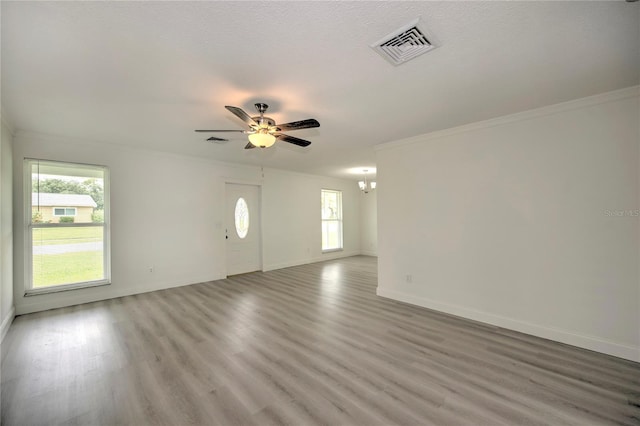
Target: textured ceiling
column 147, row 74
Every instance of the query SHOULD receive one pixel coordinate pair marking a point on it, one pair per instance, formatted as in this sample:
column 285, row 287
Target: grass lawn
column 66, row 268
column 67, row 235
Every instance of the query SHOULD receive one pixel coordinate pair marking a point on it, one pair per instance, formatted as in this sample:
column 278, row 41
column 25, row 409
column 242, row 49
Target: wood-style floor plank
column 308, row 345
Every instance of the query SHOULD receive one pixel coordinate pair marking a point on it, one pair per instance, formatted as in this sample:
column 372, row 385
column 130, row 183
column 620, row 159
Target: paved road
column 67, row 248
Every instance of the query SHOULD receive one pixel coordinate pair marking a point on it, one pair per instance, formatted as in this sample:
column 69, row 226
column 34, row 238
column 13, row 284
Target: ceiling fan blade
column 249, row 146
column 297, row 125
column 213, row 138
column 291, row 139
column 239, row 112
column 235, row 131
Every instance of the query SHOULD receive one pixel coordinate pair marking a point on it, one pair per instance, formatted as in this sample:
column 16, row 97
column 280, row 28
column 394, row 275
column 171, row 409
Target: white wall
column 167, row 211
column 6, row 231
column 513, row 222
column 291, row 223
column 369, row 223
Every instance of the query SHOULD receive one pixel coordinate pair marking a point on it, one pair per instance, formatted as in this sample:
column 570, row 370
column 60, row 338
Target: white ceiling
column 147, row 74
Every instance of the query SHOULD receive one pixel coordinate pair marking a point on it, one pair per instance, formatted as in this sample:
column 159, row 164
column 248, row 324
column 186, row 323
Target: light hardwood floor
column 300, row 346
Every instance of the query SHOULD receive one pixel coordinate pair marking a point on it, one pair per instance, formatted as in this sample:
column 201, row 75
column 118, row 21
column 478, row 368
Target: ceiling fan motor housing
column 266, row 121
column 263, row 121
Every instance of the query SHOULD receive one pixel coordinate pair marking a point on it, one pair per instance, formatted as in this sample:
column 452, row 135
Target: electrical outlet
column 409, row 278
column 150, row 268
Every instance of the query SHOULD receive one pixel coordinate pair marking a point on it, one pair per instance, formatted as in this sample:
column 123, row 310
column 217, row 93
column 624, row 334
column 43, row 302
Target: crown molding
column 602, row 98
column 27, row 135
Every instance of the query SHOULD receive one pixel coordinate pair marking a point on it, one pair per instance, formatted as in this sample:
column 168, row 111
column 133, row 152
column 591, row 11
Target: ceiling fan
column 263, row 131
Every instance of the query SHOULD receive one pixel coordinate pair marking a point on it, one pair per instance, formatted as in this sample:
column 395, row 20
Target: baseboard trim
column 326, row 256
column 38, row 305
column 6, row 323
column 79, row 299
column 369, row 253
column 587, row 342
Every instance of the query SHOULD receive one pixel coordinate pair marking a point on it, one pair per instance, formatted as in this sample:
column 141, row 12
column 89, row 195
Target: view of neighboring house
column 54, row 206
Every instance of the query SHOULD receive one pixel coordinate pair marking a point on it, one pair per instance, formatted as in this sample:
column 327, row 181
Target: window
column 67, row 226
column 64, row 211
column 331, row 204
column 242, row 218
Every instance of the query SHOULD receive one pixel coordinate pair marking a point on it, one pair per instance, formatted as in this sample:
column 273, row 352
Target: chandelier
column 366, row 186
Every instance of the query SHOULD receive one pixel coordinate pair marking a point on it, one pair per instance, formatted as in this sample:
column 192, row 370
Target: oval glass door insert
column 242, row 218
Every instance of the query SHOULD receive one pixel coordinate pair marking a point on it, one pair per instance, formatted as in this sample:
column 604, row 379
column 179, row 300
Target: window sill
column 65, row 287
column 332, row 250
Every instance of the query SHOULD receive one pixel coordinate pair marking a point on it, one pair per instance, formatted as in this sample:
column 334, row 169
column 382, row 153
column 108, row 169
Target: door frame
column 257, row 184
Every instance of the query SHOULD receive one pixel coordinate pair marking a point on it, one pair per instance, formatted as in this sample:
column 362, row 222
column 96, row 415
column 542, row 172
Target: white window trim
column 29, row 226
column 75, row 211
column 339, row 221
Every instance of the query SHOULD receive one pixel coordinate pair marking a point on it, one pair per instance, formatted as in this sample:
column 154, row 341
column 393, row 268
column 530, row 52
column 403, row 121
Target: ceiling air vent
column 404, row 44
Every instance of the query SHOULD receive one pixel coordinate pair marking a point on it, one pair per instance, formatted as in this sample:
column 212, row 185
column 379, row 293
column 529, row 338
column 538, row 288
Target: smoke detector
column 404, row 44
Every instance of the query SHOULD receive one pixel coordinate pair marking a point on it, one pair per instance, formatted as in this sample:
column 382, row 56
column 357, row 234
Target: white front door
column 243, row 228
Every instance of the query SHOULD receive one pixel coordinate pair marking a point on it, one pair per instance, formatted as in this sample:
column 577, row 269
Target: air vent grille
column 404, row 44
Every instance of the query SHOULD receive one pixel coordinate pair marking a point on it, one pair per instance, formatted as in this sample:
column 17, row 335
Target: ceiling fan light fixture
column 262, row 139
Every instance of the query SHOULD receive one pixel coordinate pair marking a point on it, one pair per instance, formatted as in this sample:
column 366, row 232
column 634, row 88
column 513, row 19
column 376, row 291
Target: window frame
column 339, row 220
column 29, row 226
column 75, row 212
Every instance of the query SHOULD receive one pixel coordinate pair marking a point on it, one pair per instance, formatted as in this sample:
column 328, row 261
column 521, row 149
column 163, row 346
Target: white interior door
column 243, row 229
